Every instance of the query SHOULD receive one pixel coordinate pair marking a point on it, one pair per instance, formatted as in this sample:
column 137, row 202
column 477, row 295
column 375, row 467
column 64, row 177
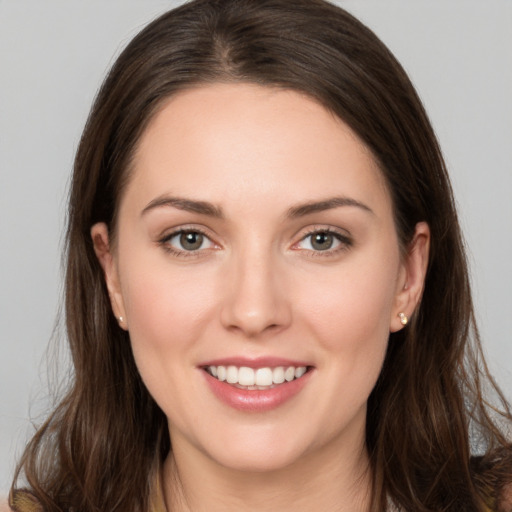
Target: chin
column 259, row 453
column 262, row 462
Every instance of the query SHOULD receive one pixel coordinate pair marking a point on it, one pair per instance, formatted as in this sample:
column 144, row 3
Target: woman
column 267, row 298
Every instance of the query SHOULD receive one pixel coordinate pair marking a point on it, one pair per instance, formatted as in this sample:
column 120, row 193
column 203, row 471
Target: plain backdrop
column 53, row 55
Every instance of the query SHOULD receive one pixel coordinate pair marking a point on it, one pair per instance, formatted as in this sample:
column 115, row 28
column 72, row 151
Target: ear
column 103, row 250
column 411, row 277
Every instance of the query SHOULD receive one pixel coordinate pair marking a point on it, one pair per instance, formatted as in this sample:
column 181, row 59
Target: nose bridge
column 256, row 301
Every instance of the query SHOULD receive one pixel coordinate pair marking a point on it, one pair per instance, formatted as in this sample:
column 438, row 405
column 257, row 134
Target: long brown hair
column 434, row 441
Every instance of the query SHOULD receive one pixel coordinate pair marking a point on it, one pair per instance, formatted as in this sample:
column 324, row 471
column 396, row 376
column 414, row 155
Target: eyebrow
column 188, row 205
column 211, row 210
column 326, row 204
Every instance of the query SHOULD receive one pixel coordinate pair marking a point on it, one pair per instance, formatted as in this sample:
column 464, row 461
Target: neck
column 334, row 479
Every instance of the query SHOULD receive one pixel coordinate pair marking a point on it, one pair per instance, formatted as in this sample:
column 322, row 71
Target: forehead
column 226, row 141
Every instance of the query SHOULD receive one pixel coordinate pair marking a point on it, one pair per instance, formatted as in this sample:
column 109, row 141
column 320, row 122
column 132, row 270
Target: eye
column 321, row 241
column 187, row 241
column 324, row 241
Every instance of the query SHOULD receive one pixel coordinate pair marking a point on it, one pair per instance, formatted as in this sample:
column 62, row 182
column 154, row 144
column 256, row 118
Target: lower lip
column 256, row 400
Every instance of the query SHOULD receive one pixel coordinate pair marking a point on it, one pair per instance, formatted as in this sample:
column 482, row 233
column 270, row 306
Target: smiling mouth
column 261, row 379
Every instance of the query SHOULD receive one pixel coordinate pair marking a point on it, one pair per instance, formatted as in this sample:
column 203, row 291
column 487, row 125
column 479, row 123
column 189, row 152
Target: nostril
column 255, row 304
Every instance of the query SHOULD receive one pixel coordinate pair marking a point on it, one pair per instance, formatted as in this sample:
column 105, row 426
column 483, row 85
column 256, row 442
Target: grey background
column 53, row 55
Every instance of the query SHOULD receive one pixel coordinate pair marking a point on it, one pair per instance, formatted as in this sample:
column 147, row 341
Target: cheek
column 349, row 314
column 349, row 317
column 167, row 311
column 166, row 308
column 352, row 306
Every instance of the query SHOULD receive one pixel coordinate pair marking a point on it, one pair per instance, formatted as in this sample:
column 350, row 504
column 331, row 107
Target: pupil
column 322, row 241
column 191, row 241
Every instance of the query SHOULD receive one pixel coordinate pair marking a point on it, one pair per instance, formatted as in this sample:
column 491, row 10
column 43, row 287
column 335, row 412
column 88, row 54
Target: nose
column 256, row 301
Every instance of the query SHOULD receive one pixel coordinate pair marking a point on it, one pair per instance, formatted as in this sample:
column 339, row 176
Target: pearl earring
column 121, row 319
column 403, row 318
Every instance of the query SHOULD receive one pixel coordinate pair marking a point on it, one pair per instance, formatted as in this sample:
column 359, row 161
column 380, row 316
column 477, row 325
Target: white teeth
column 278, row 375
column 246, row 376
column 232, row 375
column 264, row 377
column 300, row 371
column 221, row 373
column 289, row 373
column 260, row 378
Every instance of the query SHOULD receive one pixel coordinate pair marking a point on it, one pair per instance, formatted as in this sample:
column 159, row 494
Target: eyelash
column 164, row 242
column 345, row 242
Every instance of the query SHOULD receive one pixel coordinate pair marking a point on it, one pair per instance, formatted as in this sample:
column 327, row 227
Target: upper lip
column 257, row 362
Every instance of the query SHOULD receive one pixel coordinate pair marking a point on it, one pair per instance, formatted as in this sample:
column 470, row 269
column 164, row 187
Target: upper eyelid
column 168, row 235
column 171, row 232
column 304, row 232
column 177, row 232
column 164, row 242
column 342, row 234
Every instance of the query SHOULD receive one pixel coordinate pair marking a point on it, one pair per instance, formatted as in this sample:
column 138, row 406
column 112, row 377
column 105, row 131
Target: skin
column 257, row 287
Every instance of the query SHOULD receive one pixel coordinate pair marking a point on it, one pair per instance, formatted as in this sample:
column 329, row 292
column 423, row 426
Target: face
column 258, row 272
